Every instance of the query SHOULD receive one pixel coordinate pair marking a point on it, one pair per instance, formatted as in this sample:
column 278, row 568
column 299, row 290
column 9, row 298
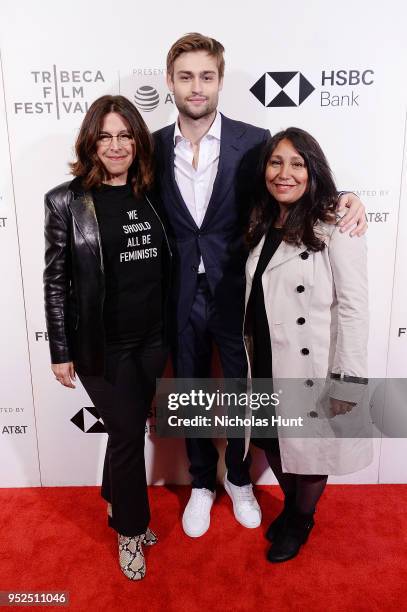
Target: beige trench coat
column 329, row 290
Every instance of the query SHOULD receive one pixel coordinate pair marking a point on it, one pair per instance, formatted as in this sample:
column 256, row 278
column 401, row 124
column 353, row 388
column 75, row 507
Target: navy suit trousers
column 193, row 357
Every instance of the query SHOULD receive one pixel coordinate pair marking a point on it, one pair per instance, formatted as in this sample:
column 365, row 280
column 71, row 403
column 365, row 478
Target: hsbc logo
column 278, row 89
column 88, row 420
column 339, row 88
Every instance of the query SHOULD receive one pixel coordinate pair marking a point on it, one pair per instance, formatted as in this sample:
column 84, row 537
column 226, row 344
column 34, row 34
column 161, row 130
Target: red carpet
column 356, row 557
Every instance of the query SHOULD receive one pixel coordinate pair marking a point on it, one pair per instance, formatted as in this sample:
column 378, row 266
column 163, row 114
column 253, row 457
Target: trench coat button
column 304, row 255
column 309, row 382
column 301, row 321
column 305, row 351
column 313, row 414
column 300, row 288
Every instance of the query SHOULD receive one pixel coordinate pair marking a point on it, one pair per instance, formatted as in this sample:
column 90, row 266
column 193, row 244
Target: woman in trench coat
column 306, row 327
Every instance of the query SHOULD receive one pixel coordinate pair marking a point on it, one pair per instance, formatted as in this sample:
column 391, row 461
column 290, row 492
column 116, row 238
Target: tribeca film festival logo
column 283, row 89
column 60, row 91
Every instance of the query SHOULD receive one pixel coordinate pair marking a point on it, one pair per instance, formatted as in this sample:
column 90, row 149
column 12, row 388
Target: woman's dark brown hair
column 317, row 203
column 89, row 167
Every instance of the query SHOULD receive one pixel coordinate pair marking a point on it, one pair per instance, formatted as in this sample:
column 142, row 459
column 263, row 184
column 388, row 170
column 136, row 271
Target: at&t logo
column 146, row 98
column 14, row 429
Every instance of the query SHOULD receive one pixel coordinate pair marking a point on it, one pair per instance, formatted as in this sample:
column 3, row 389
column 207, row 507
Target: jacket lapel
column 284, row 253
column 253, row 259
column 228, row 161
column 83, row 211
column 169, row 158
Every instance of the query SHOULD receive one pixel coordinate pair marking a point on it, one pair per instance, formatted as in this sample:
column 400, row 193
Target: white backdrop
column 55, row 61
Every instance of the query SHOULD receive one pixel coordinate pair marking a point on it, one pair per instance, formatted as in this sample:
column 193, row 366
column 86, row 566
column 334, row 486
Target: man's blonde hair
column 196, row 42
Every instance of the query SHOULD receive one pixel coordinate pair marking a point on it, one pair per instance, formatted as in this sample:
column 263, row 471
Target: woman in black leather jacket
column 105, row 281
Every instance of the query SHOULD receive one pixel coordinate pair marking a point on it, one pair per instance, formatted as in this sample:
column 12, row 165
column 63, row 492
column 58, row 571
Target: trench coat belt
column 351, row 379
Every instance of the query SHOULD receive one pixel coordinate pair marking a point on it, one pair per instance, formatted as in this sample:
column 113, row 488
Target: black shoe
column 279, row 522
column 293, row 535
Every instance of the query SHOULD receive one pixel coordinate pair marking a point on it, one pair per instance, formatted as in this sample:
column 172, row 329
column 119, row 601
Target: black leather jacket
column 74, row 282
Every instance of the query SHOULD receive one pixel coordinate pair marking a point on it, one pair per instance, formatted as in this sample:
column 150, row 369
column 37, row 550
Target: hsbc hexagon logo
column 280, row 89
column 88, row 420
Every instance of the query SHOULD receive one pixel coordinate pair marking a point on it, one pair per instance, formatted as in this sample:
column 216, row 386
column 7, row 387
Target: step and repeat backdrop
column 337, row 71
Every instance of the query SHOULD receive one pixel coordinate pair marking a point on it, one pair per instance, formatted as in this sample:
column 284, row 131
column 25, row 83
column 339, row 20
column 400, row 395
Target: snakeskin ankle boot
column 131, row 556
column 149, row 538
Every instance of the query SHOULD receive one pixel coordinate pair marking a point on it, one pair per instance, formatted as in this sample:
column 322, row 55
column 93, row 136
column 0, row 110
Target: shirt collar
column 213, row 132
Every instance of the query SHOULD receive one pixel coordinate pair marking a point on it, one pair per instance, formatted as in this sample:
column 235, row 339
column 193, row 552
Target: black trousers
column 123, row 398
column 193, row 356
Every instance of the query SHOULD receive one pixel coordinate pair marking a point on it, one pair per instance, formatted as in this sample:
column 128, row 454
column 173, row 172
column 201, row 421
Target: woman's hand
column 355, row 213
column 340, row 406
column 64, row 373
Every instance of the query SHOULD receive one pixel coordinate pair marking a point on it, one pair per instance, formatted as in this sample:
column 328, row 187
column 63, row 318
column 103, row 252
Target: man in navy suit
column 206, row 165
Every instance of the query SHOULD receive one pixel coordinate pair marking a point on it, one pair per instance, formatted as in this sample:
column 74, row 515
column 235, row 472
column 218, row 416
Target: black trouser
column 123, row 398
column 193, row 356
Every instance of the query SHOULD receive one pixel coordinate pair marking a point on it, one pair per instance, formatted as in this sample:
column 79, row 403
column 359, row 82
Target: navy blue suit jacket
column 220, row 238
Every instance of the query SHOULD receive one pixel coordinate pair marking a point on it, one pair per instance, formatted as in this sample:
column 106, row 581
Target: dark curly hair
column 89, row 167
column 318, row 202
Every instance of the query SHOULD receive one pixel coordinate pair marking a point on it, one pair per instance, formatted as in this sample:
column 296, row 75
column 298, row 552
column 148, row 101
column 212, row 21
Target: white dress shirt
column 196, row 185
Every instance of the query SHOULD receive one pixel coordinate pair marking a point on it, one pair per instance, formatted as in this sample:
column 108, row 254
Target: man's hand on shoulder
column 354, row 221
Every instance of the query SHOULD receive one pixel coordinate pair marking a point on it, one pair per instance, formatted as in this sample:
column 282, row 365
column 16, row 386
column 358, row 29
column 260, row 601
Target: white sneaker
column 245, row 507
column 197, row 514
